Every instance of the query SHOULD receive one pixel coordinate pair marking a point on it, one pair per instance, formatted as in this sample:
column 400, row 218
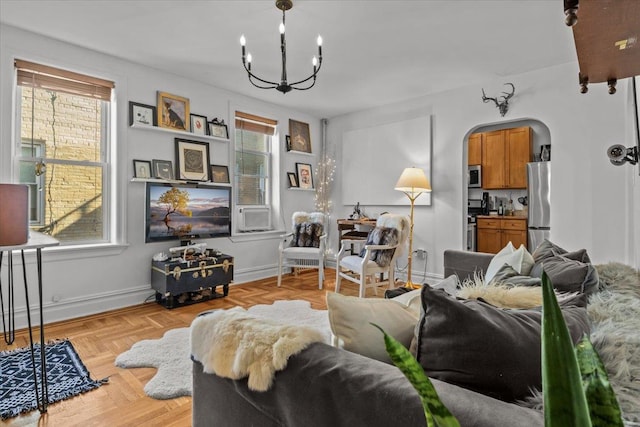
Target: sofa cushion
column 381, row 236
column 510, row 277
column 490, row 350
column 548, row 249
column 520, row 259
column 351, row 317
column 568, row 275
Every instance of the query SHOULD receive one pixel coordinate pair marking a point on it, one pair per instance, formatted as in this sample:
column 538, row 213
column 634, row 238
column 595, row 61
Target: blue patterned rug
column 66, row 377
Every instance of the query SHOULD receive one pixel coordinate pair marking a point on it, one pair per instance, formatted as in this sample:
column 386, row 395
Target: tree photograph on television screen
column 186, row 212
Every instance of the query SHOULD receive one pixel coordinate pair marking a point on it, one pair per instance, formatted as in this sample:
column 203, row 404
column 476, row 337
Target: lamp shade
column 414, row 181
column 14, row 214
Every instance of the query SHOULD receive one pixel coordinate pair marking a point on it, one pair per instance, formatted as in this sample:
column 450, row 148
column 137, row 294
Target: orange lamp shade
column 14, row 214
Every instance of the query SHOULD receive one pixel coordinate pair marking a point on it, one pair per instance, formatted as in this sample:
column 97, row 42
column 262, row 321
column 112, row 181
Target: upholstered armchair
column 375, row 265
column 304, row 246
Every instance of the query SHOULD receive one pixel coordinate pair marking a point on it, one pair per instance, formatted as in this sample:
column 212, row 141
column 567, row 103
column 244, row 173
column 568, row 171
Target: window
column 62, row 151
column 253, row 145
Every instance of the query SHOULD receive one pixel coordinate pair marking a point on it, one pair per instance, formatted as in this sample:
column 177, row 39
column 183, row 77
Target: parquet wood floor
column 98, row 339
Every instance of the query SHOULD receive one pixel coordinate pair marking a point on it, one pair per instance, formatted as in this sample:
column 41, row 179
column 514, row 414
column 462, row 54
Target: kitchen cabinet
column 505, row 154
column 494, row 233
column 475, row 149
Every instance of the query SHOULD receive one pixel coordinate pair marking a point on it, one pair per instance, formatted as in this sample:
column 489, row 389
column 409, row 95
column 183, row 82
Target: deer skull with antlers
column 503, row 106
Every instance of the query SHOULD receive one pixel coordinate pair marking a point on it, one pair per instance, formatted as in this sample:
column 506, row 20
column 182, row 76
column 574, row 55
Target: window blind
column 42, row 76
column 255, row 123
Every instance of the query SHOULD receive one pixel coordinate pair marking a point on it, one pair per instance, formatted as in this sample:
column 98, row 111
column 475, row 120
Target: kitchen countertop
column 501, row 217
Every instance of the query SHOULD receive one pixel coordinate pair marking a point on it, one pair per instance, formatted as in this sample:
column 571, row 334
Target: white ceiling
column 375, row 52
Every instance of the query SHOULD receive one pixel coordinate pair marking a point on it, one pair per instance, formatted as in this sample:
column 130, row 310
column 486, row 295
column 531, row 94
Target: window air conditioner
column 254, row 218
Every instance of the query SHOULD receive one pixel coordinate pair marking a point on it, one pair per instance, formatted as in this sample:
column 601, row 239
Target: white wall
column 592, row 201
column 94, row 280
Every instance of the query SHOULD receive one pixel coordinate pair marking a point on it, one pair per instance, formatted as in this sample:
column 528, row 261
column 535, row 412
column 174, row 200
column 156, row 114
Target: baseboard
column 87, row 305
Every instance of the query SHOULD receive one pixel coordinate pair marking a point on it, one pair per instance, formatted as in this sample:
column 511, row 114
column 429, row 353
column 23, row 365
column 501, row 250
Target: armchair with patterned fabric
column 304, row 246
column 378, row 257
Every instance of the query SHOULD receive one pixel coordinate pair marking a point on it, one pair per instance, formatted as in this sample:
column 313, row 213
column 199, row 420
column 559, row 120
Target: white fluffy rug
column 171, row 354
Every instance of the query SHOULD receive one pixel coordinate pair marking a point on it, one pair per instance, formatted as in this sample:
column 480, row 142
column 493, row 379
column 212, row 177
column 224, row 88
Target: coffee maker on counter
column 486, row 204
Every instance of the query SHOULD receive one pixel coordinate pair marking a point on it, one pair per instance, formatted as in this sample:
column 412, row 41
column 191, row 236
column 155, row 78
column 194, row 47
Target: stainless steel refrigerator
column 539, row 189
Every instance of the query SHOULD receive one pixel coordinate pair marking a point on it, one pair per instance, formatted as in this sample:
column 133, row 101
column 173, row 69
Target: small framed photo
column 141, row 168
column 300, row 136
column 305, row 175
column 288, row 140
column 142, row 114
column 198, row 124
column 293, row 179
column 219, row 130
column 220, row 174
column 173, row 111
column 162, row 169
column 192, row 159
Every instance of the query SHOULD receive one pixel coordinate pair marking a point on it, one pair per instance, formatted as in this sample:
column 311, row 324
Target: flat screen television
column 176, row 211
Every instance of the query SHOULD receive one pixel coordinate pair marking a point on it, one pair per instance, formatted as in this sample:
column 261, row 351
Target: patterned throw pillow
column 381, row 236
column 306, row 235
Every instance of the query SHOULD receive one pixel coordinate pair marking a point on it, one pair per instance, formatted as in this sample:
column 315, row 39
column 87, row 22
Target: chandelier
column 284, row 86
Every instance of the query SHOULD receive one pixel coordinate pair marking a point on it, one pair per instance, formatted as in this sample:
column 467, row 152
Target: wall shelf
column 302, row 153
column 301, row 189
column 181, row 133
column 177, row 181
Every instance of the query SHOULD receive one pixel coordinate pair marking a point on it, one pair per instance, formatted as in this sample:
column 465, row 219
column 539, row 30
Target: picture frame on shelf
column 305, row 175
column 142, row 114
column 220, row 174
column 192, row 160
column 199, row 124
column 287, row 139
column 300, row 137
column 293, row 179
column 141, row 168
column 173, row 112
column 219, row 130
column 162, row 169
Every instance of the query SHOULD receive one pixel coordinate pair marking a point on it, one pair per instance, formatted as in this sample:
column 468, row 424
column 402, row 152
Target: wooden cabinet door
column 489, row 240
column 518, row 154
column 493, row 160
column 517, row 238
column 475, row 149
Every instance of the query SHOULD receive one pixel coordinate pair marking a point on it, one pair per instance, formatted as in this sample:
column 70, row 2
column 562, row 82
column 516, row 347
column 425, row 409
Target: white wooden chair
column 365, row 271
column 298, row 249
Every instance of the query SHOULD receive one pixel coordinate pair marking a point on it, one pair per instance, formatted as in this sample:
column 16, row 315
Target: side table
column 37, row 241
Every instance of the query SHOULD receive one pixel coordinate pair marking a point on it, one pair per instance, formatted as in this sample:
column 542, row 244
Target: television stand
column 180, row 281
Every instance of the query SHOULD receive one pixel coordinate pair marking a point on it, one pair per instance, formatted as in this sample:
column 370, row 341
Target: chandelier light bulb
column 281, row 28
column 243, row 41
column 319, row 40
column 314, row 61
column 249, row 57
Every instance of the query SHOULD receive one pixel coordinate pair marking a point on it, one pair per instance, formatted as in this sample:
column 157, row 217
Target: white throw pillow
column 520, row 259
column 351, row 317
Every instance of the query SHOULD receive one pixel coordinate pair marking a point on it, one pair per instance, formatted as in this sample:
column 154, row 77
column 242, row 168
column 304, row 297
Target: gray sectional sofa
column 327, row 386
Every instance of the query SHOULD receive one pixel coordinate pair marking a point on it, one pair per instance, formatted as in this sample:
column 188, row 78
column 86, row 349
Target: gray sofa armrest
column 326, row 386
column 464, row 264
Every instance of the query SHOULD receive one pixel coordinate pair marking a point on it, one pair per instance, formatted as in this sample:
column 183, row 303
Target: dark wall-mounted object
column 503, row 106
column 606, row 34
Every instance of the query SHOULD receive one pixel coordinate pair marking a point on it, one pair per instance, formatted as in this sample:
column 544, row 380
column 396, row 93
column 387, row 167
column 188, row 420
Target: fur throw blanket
column 234, row 344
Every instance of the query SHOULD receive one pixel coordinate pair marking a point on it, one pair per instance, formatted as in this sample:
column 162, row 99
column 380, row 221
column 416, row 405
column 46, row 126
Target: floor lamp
column 413, row 182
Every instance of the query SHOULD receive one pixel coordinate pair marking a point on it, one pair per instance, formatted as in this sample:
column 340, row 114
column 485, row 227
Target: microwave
column 475, row 176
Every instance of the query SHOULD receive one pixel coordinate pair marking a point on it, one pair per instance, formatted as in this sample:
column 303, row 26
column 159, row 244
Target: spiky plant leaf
column 565, row 404
column 603, row 405
column 435, row 412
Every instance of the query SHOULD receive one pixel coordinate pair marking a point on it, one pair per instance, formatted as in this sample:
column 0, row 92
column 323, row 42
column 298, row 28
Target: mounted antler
column 503, row 106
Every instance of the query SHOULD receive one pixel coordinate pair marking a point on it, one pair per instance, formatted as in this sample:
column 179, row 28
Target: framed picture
column 142, row 114
column 220, row 174
column 305, row 177
column 218, row 130
column 162, row 169
column 288, row 140
column 173, row 111
column 198, row 124
column 300, row 137
column 141, row 168
column 293, row 179
column 192, row 159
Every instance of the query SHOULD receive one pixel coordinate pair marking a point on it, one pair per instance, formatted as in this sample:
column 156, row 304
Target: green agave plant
column 576, row 389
